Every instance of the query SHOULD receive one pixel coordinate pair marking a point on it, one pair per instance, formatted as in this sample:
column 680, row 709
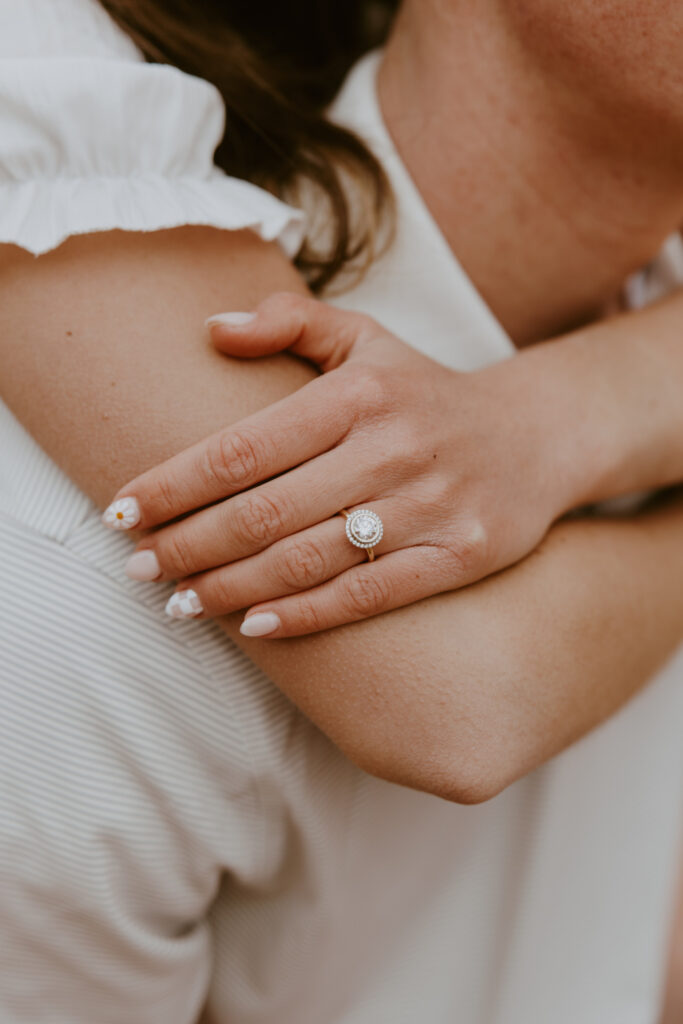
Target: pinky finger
column 391, row 581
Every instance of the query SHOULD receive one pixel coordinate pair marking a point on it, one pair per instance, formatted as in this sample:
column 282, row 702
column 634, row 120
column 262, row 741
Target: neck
column 548, row 201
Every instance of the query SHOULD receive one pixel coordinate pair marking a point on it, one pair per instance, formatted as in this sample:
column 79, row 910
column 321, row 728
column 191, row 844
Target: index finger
column 269, row 442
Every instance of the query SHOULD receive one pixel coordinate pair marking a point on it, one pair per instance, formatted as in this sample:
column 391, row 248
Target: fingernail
column 143, row 565
column 184, row 604
column 230, row 319
column 260, row 624
column 123, row 514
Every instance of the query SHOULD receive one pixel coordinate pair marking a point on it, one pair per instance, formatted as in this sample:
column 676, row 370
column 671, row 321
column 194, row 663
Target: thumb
column 309, row 328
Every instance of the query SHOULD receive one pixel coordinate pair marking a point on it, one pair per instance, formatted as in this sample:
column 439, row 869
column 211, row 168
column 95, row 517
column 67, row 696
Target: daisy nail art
column 184, row 604
column 123, row 514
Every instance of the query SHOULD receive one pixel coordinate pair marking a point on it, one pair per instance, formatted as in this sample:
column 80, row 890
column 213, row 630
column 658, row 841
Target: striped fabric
column 171, row 830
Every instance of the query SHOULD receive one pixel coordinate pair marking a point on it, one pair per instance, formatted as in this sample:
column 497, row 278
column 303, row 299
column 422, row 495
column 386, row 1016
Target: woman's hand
column 466, row 472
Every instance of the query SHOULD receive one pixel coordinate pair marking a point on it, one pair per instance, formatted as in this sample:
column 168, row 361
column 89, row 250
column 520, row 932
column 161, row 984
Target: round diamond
column 364, row 528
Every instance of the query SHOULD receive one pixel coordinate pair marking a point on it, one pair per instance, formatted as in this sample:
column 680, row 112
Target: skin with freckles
column 626, row 52
column 521, row 149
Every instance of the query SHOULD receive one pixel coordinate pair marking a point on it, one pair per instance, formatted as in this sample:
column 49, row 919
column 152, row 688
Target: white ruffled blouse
column 92, row 138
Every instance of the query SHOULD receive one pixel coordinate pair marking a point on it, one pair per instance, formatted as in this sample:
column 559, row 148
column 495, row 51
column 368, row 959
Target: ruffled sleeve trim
column 39, row 215
column 90, row 145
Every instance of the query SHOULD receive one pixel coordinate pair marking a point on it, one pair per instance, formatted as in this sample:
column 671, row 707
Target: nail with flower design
column 123, row 514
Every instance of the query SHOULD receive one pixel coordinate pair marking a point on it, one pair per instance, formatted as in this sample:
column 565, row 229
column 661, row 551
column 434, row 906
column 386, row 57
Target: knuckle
column 302, row 565
column 408, row 442
column 365, row 326
column 259, row 519
column 372, row 389
column 469, row 549
column 308, row 616
column 234, row 459
column 163, row 498
column 218, row 592
column 366, row 593
column 441, row 492
column 176, row 554
column 282, row 304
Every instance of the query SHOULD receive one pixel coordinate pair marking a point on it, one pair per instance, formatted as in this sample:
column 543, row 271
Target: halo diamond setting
column 364, row 528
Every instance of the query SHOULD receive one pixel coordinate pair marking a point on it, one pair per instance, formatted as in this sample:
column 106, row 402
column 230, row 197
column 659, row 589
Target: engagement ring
column 364, row 529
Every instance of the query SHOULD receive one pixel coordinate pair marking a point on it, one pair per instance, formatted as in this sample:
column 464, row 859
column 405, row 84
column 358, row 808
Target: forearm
column 463, row 693
column 612, row 399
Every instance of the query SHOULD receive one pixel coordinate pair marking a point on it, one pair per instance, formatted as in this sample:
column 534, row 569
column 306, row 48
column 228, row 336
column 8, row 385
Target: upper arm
column 100, row 337
column 103, row 351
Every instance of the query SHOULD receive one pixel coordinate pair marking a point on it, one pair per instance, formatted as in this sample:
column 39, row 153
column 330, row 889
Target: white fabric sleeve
column 95, row 143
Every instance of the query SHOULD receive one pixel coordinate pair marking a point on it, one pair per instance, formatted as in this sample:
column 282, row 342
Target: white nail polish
column 143, row 565
column 230, row 319
column 123, row 514
column 184, row 604
column 260, row 624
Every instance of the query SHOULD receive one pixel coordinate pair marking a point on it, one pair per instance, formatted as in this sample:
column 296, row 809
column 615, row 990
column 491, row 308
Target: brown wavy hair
column 277, row 65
